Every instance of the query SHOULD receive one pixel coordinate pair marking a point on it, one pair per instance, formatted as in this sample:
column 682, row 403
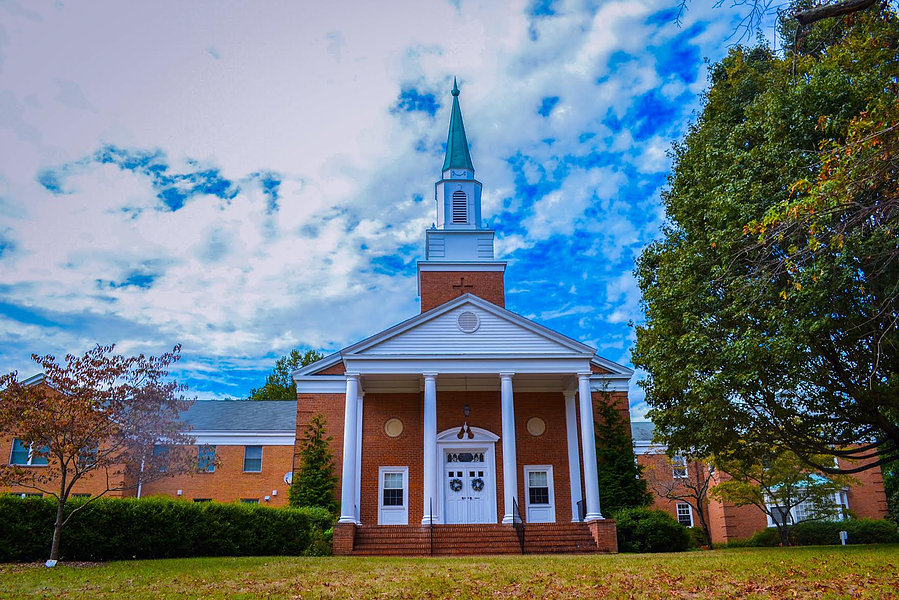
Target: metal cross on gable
column 463, row 287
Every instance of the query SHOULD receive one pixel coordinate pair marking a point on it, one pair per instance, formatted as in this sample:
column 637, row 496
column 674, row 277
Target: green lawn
column 808, row 572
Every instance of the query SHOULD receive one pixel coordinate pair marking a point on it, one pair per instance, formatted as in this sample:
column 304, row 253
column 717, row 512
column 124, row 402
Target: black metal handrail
column 518, row 523
column 581, row 510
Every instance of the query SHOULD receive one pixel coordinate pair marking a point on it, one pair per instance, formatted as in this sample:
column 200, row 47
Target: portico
column 467, row 415
column 445, row 378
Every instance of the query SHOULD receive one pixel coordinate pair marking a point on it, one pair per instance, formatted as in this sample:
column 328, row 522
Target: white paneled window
column 27, row 455
column 684, row 514
column 833, row 508
column 252, row 459
column 679, row 467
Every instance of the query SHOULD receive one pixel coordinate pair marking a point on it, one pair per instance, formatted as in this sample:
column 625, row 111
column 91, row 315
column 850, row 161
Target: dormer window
column 460, row 207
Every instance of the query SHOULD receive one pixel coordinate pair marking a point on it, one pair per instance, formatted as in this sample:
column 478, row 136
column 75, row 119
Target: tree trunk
column 784, row 535
column 706, row 530
column 57, row 530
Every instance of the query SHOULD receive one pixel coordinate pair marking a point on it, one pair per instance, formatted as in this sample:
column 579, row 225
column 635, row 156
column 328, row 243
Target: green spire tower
column 457, row 154
column 458, row 193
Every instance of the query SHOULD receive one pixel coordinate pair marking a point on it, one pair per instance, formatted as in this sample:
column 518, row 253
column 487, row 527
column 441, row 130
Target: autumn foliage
column 98, row 416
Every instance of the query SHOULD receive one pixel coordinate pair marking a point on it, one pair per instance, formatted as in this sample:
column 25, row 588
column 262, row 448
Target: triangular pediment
column 469, row 326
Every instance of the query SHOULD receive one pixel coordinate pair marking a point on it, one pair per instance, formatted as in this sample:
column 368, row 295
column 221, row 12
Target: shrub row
column 645, row 530
column 124, row 528
column 824, row 533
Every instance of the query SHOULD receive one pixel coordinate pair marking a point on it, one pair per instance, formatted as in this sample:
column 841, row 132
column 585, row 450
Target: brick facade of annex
column 729, row 522
column 228, row 483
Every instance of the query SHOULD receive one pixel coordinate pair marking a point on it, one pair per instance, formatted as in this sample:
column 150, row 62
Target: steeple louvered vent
column 460, row 207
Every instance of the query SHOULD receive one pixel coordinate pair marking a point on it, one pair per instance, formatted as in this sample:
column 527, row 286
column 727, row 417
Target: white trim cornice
column 438, row 265
column 399, row 365
column 243, row 438
column 320, row 384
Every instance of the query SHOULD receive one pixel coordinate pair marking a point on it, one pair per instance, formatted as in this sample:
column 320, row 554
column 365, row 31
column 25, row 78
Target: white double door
column 468, row 487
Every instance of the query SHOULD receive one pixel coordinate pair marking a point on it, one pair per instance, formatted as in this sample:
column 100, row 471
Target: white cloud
column 304, row 94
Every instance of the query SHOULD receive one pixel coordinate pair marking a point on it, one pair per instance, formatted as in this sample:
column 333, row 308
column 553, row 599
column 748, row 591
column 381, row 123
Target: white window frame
column 210, row 466
column 29, row 462
column 529, row 509
column 261, row 457
column 393, row 515
column 839, row 499
column 679, row 467
column 677, row 509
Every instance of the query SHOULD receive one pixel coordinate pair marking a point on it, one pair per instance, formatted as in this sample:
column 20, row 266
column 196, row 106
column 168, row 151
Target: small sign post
column 843, row 537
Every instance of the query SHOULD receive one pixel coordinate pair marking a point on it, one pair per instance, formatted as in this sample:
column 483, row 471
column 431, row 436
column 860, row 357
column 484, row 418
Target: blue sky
column 246, row 178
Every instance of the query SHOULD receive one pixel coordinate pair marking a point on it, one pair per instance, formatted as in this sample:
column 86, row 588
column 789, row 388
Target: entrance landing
column 460, row 540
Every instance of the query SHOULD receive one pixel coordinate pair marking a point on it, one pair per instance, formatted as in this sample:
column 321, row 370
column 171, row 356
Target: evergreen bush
column 645, row 530
column 123, row 528
column 314, row 481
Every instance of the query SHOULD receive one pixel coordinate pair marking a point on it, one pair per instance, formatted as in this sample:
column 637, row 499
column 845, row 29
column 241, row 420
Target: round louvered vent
column 469, row 322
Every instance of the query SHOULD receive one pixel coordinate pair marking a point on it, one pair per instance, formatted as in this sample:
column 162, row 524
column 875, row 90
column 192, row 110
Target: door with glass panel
column 467, row 482
column 393, row 496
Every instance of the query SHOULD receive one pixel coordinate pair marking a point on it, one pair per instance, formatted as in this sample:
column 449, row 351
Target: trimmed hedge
column 827, row 533
column 859, row 531
column 645, row 530
column 124, row 528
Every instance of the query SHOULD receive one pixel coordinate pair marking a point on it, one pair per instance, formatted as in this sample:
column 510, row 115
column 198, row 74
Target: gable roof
column 397, row 339
column 641, row 431
column 242, row 415
column 503, row 333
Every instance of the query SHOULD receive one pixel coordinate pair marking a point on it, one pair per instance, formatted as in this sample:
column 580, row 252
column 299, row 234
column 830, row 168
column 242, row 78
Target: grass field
column 809, row 572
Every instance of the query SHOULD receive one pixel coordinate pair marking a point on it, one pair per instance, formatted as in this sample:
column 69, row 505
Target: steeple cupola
column 458, row 193
column 459, row 248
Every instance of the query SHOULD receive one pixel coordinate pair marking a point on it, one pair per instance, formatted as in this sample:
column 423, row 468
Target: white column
column 574, row 463
column 588, row 441
column 359, row 457
column 431, row 500
column 510, row 461
column 350, row 436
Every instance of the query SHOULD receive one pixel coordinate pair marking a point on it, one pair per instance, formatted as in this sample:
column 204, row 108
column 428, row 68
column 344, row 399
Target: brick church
column 466, row 421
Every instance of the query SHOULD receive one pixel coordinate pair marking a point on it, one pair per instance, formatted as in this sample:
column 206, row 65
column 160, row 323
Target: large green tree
column 771, row 300
column 279, row 385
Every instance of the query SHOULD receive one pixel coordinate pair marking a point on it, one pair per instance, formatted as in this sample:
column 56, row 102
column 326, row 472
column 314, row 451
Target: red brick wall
column 729, row 522
column 406, row 450
column 551, row 448
column 332, row 407
column 229, row 482
column 337, row 369
column 437, row 287
column 379, row 450
column 92, row 484
column 868, row 498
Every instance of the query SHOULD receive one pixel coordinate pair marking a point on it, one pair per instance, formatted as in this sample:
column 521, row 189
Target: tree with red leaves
column 98, row 416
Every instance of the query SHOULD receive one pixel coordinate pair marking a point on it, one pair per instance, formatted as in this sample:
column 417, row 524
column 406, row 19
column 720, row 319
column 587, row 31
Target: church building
column 466, row 428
